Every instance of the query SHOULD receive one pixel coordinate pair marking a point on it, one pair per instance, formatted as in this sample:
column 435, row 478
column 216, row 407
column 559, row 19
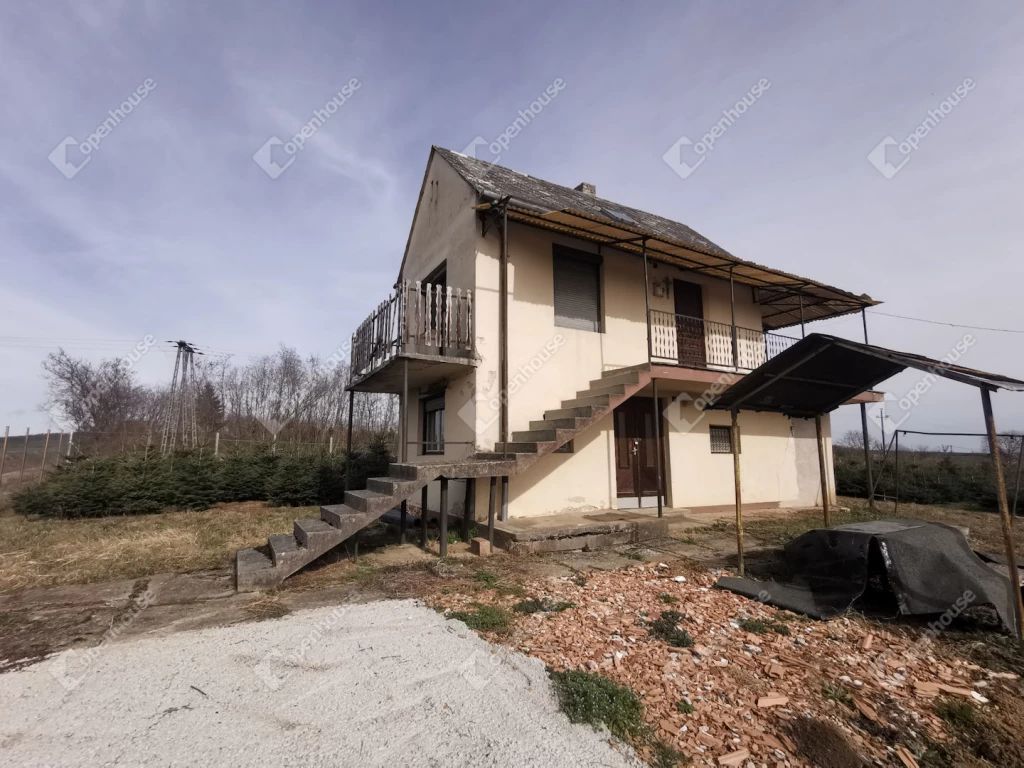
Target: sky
column 167, row 226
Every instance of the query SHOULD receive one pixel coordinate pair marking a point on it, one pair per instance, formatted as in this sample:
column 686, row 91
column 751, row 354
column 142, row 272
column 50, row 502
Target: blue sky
column 172, row 229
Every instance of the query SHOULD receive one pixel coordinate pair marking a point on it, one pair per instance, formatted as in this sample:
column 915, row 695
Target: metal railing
column 419, row 317
column 698, row 343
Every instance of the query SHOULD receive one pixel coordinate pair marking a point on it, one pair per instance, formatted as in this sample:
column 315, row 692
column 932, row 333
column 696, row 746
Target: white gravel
column 381, row 684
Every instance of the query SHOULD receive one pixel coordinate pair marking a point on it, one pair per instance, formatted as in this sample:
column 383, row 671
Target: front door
column 689, row 301
column 636, row 457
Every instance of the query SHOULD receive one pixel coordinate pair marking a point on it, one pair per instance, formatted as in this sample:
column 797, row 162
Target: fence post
column 330, row 446
column 60, row 444
column 42, row 465
column 216, row 443
column 3, row 454
column 71, row 440
column 24, row 456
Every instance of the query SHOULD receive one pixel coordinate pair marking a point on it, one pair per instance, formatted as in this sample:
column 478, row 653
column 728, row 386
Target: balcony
column 427, row 326
column 696, row 343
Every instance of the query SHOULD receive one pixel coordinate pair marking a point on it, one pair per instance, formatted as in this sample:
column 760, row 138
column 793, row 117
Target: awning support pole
column 443, row 538
column 802, row 332
column 647, row 299
column 732, row 310
column 404, row 524
column 403, row 411
column 348, row 443
column 896, row 504
column 469, row 508
column 1016, row 488
column 423, row 517
column 1004, row 515
column 864, row 429
column 503, row 329
column 657, row 442
column 739, row 494
column 823, row 471
column 492, row 503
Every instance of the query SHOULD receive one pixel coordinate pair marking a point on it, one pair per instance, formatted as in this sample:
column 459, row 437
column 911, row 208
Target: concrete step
column 600, row 401
column 642, row 368
column 536, row 436
column 344, row 518
column 517, row 447
column 254, row 570
column 579, row 412
column 495, row 456
column 615, row 390
column 369, row 501
column 315, row 533
column 393, row 486
column 546, row 424
column 627, row 378
column 284, row 549
column 404, row 471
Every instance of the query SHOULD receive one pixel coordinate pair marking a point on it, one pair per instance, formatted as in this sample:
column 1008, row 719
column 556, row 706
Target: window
column 433, row 425
column 577, row 280
column 721, row 440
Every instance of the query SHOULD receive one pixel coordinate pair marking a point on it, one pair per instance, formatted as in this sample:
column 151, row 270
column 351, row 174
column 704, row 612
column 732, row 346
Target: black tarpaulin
column 821, row 372
column 904, row 567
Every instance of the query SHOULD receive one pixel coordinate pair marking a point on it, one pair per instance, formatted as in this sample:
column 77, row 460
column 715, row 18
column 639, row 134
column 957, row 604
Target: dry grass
column 44, row 553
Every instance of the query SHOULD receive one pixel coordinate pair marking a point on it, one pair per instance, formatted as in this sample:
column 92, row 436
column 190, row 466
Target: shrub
column 485, row 618
column 666, row 628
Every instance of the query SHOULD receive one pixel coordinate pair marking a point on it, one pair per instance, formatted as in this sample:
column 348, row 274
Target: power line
column 951, row 325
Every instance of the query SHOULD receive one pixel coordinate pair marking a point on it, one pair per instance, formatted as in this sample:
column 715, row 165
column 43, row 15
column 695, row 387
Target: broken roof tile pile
column 746, row 688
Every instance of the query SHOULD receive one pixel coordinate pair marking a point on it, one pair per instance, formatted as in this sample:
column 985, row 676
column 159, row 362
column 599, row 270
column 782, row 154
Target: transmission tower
column 181, row 401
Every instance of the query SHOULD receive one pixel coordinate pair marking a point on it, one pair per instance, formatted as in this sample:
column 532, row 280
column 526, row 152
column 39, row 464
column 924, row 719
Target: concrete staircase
column 255, row 569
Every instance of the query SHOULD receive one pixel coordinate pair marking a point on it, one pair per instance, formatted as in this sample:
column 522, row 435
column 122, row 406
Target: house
column 553, row 352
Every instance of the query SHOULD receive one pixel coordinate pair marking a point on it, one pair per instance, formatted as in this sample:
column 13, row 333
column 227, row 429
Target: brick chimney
column 586, row 188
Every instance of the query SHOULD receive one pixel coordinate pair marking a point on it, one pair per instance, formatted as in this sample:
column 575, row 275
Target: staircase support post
column 423, row 516
column 444, row 517
column 492, row 502
column 504, row 498
column 864, row 429
column 657, row 443
column 404, row 524
column 469, row 508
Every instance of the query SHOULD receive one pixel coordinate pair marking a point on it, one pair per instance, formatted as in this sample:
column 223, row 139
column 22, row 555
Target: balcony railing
column 417, row 317
column 698, row 343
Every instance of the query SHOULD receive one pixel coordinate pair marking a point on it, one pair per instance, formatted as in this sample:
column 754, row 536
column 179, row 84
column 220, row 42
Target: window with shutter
column 577, row 280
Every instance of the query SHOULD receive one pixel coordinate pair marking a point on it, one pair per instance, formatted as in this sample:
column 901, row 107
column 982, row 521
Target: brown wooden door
column 689, row 300
column 636, row 457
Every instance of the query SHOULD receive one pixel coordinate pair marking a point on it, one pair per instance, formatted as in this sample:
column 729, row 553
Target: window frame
column 581, row 257
column 715, row 449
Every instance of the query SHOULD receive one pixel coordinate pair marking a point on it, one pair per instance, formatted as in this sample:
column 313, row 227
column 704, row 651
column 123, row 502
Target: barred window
column 721, row 440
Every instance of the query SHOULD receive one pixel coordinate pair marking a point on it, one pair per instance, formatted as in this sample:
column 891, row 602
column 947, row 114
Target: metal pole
column 864, row 429
column 42, row 466
column 823, row 471
column 647, row 299
column 330, row 444
column 1004, row 515
column 404, row 524
column 403, row 411
column 71, row 440
column 492, row 502
column 24, row 456
column 3, row 454
column 423, row 517
column 739, row 494
column 469, row 508
column 216, row 443
column 802, row 333
column 60, row 444
column 444, row 517
column 732, row 309
column 504, row 499
column 896, row 504
column 348, row 445
column 657, row 442
column 1016, row 487
column 503, row 330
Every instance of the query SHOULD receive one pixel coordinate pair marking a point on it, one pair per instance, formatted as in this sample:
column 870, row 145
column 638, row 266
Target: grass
column 837, row 693
column 667, row 756
column 597, row 701
column 47, row 553
column 484, row 618
column 489, row 580
column 632, row 554
column 961, row 715
column 533, row 605
column 666, row 628
column 763, row 627
column 685, row 707
column 665, row 597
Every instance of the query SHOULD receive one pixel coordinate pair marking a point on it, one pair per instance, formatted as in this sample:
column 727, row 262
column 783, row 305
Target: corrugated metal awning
column 821, row 372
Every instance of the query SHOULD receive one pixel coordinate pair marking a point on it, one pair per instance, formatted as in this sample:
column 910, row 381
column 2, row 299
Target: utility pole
column 181, row 401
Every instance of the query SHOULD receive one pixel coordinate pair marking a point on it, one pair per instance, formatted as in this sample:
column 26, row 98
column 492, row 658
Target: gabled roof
column 551, row 206
column 821, row 372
